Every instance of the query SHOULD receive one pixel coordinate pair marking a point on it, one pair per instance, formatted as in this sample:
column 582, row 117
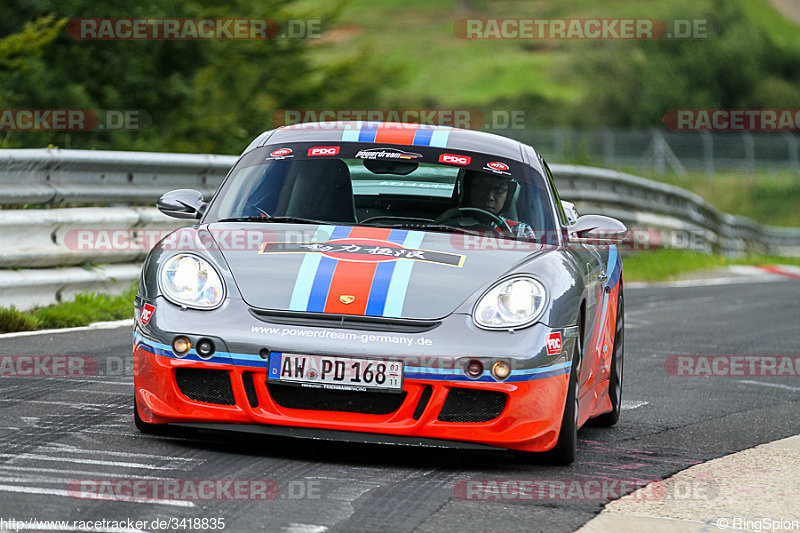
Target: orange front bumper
column 530, row 420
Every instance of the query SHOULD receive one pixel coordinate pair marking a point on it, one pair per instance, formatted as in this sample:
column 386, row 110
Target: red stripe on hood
column 354, row 278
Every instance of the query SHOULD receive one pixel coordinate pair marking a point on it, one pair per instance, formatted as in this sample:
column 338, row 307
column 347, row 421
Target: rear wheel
column 615, row 380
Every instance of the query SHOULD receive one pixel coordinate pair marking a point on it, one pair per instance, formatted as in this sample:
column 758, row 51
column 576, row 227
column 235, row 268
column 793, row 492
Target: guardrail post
column 792, row 142
column 659, row 156
column 558, row 144
column 749, row 154
column 608, row 146
column 708, row 153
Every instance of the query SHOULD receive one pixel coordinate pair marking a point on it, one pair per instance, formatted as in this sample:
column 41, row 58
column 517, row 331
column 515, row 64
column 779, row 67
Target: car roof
column 382, row 133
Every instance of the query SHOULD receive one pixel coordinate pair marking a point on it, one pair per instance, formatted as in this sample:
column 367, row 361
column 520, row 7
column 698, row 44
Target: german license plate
column 343, row 373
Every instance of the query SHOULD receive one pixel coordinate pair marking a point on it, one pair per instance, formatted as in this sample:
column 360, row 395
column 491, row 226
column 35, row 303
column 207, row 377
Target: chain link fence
column 663, row 151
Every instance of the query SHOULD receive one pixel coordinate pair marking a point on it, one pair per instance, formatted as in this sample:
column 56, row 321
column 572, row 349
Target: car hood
column 355, row 270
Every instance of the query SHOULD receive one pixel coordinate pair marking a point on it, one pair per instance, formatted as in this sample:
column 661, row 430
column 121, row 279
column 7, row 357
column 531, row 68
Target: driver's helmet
column 463, row 193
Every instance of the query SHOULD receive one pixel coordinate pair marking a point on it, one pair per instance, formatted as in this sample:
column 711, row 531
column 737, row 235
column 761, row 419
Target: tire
column 615, row 380
column 563, row 453
column 145, row 427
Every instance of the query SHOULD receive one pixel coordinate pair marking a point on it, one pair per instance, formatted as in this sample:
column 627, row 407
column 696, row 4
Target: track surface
column 57, row 430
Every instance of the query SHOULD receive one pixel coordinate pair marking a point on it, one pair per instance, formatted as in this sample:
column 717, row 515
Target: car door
column 591, row 264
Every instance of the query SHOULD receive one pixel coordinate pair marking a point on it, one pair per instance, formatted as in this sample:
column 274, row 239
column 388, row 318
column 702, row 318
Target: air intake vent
column 423, row 401
column 472, row 405
column 250, row 388
column 205, row 385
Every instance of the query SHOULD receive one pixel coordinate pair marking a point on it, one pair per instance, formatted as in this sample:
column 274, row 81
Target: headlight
column 190, row 280
column 512, row 303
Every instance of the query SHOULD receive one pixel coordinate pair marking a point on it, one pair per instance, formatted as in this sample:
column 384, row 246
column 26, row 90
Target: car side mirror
column 182, row 203
column 570, row 212
column 598, row 229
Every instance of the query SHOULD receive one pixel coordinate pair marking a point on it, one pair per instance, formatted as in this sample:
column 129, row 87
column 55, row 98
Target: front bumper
column 529, row 419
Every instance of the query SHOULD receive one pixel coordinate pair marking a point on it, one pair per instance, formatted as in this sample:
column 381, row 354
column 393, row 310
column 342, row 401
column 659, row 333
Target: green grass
column 665, row 265
column 451, row 72
column 447, row 71
column 770, row 198
column 85, row 309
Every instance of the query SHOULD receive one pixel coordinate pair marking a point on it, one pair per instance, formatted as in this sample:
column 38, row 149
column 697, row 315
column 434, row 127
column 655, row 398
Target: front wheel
column 615, row 380
column 146, row 427
column 566, row 448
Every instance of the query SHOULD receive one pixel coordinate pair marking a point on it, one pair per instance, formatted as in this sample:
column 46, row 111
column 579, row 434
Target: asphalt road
column 55, row 432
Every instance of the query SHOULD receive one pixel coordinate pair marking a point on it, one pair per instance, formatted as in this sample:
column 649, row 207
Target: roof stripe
column 439, row 138
column 350, row 134
column 422, row 137
column 368, row 132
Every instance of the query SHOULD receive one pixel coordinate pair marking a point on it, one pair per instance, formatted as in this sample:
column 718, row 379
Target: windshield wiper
column 433, row 227
column 278, row 220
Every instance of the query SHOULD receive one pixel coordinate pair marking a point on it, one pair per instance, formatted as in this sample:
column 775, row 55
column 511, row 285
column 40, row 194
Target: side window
column 559, row 208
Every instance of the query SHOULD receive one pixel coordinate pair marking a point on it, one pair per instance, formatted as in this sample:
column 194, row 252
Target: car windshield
column 387, row 188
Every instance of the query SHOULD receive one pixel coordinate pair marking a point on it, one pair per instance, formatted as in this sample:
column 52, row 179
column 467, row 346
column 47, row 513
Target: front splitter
column 337, row 435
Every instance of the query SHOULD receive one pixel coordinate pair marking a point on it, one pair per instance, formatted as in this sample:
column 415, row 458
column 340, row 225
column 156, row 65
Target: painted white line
column 113, row 393
column 700, row 282
column 304, row 528
column 91, row 327
column 108, row 382
column 90, row 473
column 89, row 496
column 766, row 384
column 122, row 464
column 76, row 405
column 115, row 433
column 73, row 449
column 631, row 404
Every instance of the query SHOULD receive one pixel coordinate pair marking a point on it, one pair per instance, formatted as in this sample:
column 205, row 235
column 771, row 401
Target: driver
column 494, row 194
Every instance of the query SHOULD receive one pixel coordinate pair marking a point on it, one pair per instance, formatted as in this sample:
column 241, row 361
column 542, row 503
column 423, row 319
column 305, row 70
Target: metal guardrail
column 53, row 176
column 646, row 204
column 40, row 243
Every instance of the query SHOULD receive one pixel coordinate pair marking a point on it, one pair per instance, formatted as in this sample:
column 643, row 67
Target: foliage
column 202, row 96
column 738, row 66
column 85, row 309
